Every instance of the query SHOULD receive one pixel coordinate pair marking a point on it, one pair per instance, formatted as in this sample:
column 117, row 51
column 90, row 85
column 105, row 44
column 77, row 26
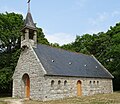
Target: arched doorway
column 79, row 89
column 26, row 81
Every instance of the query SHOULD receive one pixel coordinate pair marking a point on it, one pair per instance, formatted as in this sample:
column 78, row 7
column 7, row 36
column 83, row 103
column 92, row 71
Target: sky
column 62, row 20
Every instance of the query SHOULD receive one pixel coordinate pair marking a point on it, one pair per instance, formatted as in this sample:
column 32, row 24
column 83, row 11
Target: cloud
column 81, row 3
column 115, row 13
column 95, row 31
column 97, row 24
column 103, row 17
column 99, row 18
column 102, row 21
column 77, row 5
column 60, row 38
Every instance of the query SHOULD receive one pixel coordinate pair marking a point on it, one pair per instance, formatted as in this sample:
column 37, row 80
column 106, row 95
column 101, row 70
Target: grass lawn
column 96, row 99
column 2, row 102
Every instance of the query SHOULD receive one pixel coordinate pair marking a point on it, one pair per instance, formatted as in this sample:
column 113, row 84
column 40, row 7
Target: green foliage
column 68, row 47
column 10, row 26
column 82, row 44
column 5, row 79
column 55, row 45
column 41, row 37
column 8, row 63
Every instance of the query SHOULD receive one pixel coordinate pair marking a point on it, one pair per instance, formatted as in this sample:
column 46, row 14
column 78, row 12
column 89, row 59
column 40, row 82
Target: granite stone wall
column 28, row 64
column 68, row 87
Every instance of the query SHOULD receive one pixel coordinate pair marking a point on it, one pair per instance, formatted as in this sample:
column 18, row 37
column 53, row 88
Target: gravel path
column 14, row 101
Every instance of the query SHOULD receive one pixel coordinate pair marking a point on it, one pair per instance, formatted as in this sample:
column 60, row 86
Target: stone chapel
column 47, row 73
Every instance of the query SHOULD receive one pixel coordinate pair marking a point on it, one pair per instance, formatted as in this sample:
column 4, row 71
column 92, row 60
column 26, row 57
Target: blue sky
column 62, row 20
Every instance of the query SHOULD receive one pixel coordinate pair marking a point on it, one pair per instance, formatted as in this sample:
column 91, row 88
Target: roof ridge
column 65, row 50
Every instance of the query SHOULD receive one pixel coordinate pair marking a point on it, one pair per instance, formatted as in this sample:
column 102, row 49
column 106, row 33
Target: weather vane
column 28, row 5
column 28, row 1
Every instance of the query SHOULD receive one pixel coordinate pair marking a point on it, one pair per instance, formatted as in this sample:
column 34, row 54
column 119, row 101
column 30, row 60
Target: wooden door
column 79, row 89
column 27, row 87
column 26, row 81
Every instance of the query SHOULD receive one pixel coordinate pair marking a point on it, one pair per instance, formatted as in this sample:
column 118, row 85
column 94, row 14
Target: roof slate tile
column 81, row 65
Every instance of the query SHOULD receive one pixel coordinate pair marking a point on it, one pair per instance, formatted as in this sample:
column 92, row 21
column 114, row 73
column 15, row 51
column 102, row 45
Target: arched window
column 31, row 34
column 93, row 82
column 59, row 82
column 52, row 83
column 97, row 82
column 65, row 83
column 90, row 82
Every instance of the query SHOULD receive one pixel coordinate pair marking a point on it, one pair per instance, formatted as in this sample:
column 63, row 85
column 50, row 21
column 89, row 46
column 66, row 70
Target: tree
column 82, row 44
column 41, row 37
column 10, row 26
column 55, row 45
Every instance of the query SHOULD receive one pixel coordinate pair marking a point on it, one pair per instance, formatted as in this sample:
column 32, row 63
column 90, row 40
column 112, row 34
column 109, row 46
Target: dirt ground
column 11, row 101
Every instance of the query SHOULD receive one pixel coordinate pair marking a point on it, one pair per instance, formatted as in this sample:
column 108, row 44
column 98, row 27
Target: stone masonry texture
column 44, row 87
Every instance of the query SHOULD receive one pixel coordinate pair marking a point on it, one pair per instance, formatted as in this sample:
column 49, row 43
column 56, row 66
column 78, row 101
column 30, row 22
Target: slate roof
column 64, row 63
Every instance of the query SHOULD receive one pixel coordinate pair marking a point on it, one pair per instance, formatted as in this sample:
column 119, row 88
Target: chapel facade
column 47, row 73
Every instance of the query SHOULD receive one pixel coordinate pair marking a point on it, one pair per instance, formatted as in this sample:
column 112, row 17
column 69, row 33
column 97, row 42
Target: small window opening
column 31, row 34
column 52, row 83
column 65, row 83
column 97, row 82
column 90, row 82
column 93, row 82
column 59, row 82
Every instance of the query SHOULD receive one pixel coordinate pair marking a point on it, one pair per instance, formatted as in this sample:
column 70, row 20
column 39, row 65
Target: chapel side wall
column 70, row 90
column 28, row 64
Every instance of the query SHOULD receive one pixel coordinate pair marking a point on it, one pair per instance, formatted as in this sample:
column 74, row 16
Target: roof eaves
column 77, row 76
column 29, row 27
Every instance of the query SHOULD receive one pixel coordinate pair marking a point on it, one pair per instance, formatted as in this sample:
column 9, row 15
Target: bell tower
column 29, row 31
